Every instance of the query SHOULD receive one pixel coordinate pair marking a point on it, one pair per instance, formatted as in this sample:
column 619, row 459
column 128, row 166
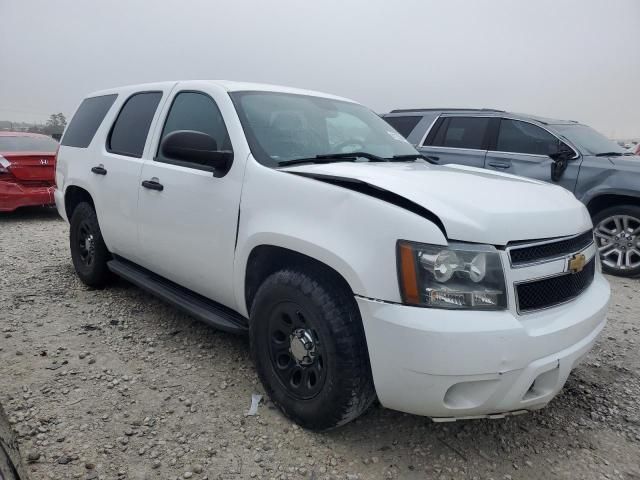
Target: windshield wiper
column 352, row 157
column 609, row 154
column 412, row 156
column 332, row 157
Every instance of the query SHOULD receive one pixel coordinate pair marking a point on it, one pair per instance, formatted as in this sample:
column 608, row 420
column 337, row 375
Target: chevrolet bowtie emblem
column 577, row 263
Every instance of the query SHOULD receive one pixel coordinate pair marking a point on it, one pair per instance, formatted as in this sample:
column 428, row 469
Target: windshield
column 588, row 140
column 282, row 127
column 27, row 144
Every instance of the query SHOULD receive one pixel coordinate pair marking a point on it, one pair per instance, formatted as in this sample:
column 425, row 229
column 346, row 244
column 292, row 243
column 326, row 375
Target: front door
column 522, row 148
column 188, row 217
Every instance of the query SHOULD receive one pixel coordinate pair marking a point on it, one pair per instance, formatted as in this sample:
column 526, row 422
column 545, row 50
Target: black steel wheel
column 296, row 351
column 86, row 244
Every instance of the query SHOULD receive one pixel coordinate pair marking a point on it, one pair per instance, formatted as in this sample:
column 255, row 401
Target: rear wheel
column 617, row 232
column 309, row 347
column 88, row 251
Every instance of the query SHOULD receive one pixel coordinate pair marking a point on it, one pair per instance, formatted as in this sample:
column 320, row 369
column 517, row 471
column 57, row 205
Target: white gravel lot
column 114, row 384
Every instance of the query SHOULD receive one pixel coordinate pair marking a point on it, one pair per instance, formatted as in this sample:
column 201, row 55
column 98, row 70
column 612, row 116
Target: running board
column 196, row 305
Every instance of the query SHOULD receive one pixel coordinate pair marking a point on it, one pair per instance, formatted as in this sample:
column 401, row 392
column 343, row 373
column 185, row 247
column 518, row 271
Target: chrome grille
column 541, row 252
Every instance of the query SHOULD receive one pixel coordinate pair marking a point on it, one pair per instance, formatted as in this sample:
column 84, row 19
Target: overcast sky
column 570, row 59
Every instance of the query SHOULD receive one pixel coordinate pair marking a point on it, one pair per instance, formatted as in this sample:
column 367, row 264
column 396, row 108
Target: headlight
column 458, row 276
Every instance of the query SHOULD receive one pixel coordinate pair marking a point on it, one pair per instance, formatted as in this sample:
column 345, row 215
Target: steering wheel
column 347, row 143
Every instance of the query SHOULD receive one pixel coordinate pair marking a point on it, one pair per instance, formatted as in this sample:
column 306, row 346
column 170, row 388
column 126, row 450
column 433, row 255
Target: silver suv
column 601, row 174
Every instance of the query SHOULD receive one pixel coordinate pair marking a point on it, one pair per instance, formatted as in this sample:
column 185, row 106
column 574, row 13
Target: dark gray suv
column 600, row 173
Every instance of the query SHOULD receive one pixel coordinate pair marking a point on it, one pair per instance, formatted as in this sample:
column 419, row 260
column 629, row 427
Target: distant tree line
column 54, row 125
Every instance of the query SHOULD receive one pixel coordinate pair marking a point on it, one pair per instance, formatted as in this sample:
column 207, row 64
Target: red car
column 27, row 170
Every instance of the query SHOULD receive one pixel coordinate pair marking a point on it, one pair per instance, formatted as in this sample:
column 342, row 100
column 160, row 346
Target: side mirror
column 560, row 154
column 196, row 147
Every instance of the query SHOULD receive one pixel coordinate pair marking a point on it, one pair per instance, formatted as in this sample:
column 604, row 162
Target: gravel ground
column 114, row 384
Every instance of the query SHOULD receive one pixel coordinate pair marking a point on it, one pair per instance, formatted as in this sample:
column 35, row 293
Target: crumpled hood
column 475, row 205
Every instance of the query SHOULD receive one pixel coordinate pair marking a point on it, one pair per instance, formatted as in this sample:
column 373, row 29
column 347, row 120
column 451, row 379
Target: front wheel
column 617, row 232
column 309, row 348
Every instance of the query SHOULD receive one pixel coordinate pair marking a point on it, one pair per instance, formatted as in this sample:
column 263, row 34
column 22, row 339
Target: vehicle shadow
column 31, row 214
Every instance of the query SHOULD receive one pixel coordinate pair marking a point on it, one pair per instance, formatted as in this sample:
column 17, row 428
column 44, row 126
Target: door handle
column 501, row 165
column 99, row 170
column 153, row 185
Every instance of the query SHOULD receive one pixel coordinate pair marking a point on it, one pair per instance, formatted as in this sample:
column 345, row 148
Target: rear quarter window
column 86, row 121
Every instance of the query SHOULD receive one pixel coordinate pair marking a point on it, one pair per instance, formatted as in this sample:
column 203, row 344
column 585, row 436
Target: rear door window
column 462, row 132
column 403, row 125
column 522, row 137
column 129, row 132
column 86, row 121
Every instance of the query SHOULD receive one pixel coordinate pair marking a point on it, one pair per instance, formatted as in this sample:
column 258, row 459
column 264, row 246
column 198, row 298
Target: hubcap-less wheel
column 618, row 238
column 86, row 244
column 296, row 353
column 88, row 250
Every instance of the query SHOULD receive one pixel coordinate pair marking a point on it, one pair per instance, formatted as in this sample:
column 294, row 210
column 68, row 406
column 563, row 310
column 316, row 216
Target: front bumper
column 15, row 195
column 459, row 364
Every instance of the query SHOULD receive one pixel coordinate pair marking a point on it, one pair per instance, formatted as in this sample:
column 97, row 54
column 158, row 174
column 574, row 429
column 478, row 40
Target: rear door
column 115, row 170
column 457, row 139
column 523, row 148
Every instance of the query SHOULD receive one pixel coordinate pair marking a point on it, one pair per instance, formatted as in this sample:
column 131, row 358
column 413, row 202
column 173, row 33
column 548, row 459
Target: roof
column 420, row 110
column 22, row 134
column 483, row 111
column 229, row 86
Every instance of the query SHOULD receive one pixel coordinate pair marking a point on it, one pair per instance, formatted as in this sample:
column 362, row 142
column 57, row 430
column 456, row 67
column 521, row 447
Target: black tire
column 88, row 251
column 10, row 463
column 604, row 222
column 328, row 315
column 7, row 469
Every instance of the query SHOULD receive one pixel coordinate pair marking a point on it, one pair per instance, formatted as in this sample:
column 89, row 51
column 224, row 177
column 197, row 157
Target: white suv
column 357, row 268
